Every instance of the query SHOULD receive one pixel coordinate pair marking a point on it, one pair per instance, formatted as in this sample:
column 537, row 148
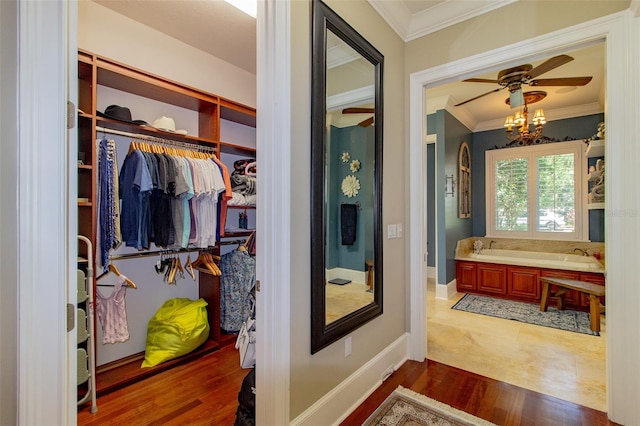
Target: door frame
column 431, row 139
column 620, row 33
column 45, row 231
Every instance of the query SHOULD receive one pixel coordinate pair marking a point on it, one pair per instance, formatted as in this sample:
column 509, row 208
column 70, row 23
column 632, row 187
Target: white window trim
column 581, row 232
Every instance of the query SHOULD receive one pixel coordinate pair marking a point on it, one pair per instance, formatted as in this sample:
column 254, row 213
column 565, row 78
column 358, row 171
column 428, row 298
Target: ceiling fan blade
column 358, row 110
column 480, row 80
column 477, row 97
column 567, row 81
column 548, row 65
column 366, row 123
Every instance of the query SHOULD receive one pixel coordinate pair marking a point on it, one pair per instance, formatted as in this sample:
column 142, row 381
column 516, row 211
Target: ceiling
column 221, row 30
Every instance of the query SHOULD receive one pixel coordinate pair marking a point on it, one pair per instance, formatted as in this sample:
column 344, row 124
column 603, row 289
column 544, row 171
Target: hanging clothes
column 170, row 199
column 108, row 204
column 237, row 279
column 135, row 190
column 112, row 313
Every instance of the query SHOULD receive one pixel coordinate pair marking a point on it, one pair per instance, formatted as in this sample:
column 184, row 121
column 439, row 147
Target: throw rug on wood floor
column 407, row 408
column 530, row 313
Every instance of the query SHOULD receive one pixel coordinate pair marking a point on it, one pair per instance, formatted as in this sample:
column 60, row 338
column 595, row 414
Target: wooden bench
column 369, row 264
column 594, row 291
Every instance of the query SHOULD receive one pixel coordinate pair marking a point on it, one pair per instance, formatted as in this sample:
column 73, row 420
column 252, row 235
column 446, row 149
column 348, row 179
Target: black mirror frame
column 322, row 335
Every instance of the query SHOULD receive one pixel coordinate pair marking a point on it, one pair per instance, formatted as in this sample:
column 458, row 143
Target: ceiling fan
column 514, row 78
column 366, row 122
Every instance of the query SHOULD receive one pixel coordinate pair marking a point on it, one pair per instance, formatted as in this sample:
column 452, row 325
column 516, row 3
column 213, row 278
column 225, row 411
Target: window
column 536, row 191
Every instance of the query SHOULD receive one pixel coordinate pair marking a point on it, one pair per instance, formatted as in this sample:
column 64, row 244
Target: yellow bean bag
column 177, row 328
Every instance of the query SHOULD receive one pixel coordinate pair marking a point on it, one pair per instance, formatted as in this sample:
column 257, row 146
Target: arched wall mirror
column 346, row 179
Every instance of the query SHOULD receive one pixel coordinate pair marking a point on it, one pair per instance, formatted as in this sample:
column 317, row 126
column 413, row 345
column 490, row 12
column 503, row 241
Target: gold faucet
column 584, row 253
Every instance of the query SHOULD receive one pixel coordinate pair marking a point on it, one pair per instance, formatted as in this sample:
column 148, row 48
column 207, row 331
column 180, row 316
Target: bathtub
column 532, row 258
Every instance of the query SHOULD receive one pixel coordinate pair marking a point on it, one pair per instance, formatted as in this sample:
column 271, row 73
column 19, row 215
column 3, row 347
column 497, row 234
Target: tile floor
column 563, row 364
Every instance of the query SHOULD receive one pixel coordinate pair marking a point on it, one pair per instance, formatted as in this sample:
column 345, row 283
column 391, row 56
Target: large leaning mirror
column 346, row 179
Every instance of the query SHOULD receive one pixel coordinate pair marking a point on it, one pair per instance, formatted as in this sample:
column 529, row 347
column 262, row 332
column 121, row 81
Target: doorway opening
column 515, row 353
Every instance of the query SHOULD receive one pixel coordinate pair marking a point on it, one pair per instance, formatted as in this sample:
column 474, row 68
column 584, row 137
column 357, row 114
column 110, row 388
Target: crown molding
column 351, row 98
column 340, row 55
column 463, row 116
column 412, row 26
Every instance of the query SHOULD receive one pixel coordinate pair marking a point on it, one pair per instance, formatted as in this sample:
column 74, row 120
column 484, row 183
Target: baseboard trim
column 431, row 272
column 446, row 291
column 336, row 405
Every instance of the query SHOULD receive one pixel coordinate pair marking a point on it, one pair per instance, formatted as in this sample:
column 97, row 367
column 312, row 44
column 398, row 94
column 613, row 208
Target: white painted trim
column 341, row 54
column 544, row 46
column 446, row 14
column 411, row 26
column 396, row 14
column 351, row 98
column 417, row 239
column 43, row 226
column 446, row 291
column 273, row 214
column 621, row 32
column 355, row 276
column 463, row 115
column 622, row 206
column 336, row 405
column 71, row 55
column 431, row 272
column 532, row 153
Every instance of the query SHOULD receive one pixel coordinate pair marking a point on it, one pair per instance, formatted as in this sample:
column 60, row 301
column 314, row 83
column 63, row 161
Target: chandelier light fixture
column 520, row 120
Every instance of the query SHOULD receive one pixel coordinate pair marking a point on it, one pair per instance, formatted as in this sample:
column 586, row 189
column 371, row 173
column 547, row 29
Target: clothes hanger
column 189, row 267
column 179, row 267
column 173, row 269
column 161, row 265
column 113, row 268
column 247, row 168
column 245, row 246
column 205, row 263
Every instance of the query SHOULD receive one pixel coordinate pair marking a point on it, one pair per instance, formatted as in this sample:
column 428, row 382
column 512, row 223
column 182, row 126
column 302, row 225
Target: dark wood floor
column 201, row 392
column 205, row 391
column 495, row 401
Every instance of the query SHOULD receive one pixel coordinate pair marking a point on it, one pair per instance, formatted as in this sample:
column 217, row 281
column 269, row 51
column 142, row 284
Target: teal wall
column 349, row 139
column 431, row 202
column 450, row 134
column 570, row 128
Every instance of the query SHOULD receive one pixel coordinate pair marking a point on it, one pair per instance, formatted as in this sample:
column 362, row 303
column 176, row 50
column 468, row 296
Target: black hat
column 119, row 113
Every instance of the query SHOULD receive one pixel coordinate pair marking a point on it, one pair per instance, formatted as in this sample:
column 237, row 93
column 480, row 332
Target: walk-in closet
column 167, row 181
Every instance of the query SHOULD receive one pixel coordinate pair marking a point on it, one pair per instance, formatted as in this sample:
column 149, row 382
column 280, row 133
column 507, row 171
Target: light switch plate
column 391, row 231
column 399, row 230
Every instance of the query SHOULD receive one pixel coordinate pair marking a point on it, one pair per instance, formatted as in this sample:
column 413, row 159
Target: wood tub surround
column 522, row 282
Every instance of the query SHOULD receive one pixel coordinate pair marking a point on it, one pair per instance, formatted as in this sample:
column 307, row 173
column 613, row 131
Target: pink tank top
column 112, row 314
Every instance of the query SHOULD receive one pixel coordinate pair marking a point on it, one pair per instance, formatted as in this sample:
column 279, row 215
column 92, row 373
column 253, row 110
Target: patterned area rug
column 407, row 408
column 565, row 319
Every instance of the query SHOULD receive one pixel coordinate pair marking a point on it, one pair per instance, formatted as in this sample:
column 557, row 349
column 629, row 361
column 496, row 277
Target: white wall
column 145, row 48
column 103, row 31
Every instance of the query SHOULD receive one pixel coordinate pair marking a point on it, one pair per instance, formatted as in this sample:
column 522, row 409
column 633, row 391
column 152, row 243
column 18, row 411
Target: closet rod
column 157, row 139
column 228, row 243
column 167, row 252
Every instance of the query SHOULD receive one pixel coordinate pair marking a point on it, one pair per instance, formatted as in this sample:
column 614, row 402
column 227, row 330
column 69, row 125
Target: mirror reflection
column 349, row 182
column 346, row 179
